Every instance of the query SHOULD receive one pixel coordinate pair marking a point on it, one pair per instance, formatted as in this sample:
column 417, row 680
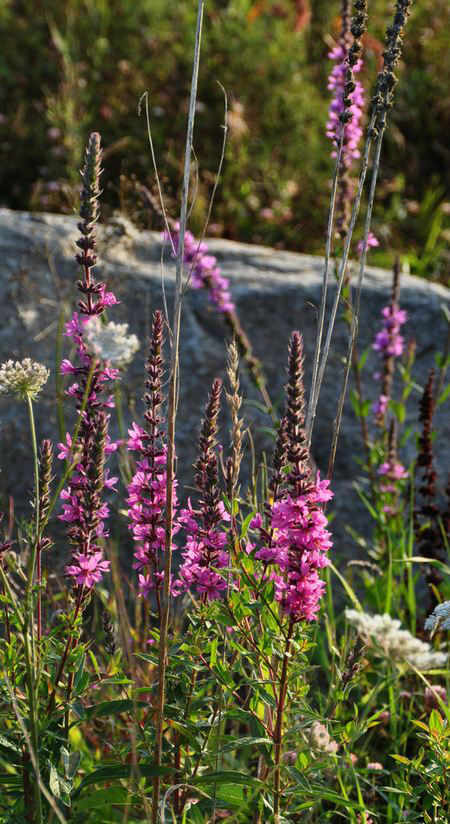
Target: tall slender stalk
column 28, row 624
column 382, row 102
column 356, row 308
column 171, row 415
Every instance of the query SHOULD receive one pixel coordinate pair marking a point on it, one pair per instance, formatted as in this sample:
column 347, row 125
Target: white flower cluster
column 391, row 641
column 22, row 378
column 110, row 341
column 439, row 618
column 320, row 740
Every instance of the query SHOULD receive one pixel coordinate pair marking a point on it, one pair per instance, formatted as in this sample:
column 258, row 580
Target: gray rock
column 275, row 292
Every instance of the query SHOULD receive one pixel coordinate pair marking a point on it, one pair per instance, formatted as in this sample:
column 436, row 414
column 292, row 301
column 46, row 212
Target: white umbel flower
column 439, row 618
column 386, row 636
column 110, row 341
column 23, row 379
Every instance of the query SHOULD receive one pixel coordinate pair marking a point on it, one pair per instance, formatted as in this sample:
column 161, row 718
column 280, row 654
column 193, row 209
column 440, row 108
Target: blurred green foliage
column 68, row 68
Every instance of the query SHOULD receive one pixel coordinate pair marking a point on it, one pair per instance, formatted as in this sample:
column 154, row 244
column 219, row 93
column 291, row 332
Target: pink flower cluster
column 302, row 542
column 388, row 341
column 352, row 129
column 147, row 500
column 88, row 566
column 393, row 469
column 391, row 472
column 204, row 271
column 297, row 544
column 204, row 554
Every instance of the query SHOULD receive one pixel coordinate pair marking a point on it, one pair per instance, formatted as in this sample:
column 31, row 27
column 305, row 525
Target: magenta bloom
column 205, row 551
column 381, row 405
column 393, row 469
column 82, row 503
column 296, row 541
column 204, row 270
column 302, row 543
column 372, row 242
column 352, row 129
column 388, row 341
column 205, row 548
column 147, row 490
column 88, row 569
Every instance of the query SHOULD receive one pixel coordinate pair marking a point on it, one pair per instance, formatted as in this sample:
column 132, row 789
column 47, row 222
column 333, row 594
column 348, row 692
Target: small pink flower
column 88, row 569
column 65, row 449
column 67, row 368
column 372, row 242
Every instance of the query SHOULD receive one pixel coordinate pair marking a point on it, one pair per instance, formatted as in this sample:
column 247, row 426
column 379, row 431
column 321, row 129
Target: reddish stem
column 39, row 599
column 66, row 652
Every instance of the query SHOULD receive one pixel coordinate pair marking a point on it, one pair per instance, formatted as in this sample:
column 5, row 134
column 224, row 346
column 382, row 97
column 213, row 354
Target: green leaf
column 10, row 779
column 54, row 781
column 117, row 771
column 444, row 395
column 246, row 741
column 246, row 524
column 94, row 663
column 9, row 745
column 104, row 798
column 71, row 761
column 435, row 721
column 228, row 777
column 213, row 653
column 402, row 759
column 107, row 708
column 231, row 793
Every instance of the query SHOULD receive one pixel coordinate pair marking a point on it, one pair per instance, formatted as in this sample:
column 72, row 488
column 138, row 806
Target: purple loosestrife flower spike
column 300, row 541
column 82, row 505
column 279, row 460
column 220, row 296
column 206, row 539
column 389, row 344
column 86, row 512
column 426, row 512
column 383, row 98
column 147, row 490
column 205, row 272
column 347, row 105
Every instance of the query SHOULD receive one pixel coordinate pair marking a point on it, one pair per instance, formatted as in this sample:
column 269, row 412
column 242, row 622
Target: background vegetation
column 68, row 68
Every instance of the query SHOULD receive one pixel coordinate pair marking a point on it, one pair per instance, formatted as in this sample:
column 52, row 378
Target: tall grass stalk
column 171, row 414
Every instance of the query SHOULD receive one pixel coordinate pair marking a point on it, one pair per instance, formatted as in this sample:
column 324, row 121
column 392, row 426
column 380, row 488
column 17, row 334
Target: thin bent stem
column 35, row 536
column 326, row 272
column 357, row 305
column 171, row 416
column 314, row 398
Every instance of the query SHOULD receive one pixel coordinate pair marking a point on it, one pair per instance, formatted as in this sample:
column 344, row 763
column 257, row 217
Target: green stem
column 33, row 725
column 278, row 734
column 28, row 624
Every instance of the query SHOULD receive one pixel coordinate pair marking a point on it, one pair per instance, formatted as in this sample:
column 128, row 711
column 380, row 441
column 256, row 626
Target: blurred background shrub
column 69, row 68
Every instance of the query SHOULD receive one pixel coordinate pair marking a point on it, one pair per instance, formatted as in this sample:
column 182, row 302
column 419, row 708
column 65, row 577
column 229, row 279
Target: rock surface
column 275, row 292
